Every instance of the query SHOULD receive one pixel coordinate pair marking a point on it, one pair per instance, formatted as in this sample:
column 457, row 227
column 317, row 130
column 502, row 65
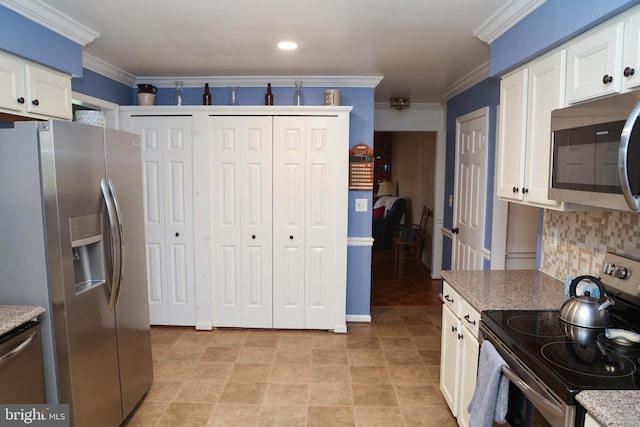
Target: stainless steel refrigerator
column 72, row 236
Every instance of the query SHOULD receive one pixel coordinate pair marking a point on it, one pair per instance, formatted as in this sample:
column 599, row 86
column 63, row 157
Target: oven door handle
column 536, row 398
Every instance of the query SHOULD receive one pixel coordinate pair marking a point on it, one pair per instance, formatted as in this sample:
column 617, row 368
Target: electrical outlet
column 553, row 238
column 361, row 205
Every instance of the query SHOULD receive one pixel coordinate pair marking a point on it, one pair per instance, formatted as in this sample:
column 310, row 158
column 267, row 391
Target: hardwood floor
column 411, row 286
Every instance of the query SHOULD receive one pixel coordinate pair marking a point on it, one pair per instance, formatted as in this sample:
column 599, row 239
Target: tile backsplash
column 576, row 242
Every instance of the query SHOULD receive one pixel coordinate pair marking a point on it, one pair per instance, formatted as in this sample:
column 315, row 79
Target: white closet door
column 241, row 221
column 167, row 148
column 305, row 184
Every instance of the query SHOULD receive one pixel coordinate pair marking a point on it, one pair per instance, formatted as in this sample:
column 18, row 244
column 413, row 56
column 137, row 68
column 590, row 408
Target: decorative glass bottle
column 179, row 95
column 206, row 96
column 298, row 98
column 268, row 97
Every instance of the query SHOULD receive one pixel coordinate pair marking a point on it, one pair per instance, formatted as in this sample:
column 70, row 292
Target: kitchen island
column 535, row 290
column 13, row 316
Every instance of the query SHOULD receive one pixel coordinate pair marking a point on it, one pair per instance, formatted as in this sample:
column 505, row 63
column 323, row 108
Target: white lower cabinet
column 166, row 149
column 459, row 353
column 279, row 207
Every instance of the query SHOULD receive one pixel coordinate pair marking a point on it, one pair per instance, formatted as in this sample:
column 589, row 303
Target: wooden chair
column 409, row 240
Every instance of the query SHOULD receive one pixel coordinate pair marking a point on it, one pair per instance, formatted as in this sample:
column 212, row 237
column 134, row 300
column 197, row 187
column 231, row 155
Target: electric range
column 550, row 368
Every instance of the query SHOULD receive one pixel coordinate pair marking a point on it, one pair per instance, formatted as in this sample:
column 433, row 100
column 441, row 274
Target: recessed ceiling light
column 287, row 45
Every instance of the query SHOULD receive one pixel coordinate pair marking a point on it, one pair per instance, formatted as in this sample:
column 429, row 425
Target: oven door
column 540, row 406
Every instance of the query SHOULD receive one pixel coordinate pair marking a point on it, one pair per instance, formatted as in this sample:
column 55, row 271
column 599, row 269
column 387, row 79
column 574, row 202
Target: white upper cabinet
column 545, row 94
column 606, row 60
column 594, row 65
column 631, row 64
column 511, row 148
column 31, row 90
column 527, row 98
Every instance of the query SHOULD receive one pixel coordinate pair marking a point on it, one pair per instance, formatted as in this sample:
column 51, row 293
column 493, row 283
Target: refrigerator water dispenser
column 88, row 252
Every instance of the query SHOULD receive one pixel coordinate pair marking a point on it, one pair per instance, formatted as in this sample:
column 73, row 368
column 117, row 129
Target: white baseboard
column 359, row 318
column 204, row 326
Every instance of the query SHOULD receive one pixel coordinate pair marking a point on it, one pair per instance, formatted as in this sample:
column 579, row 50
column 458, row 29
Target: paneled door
column 305, row 182
column 470, row 200
column 166, row 148
column 241, row 156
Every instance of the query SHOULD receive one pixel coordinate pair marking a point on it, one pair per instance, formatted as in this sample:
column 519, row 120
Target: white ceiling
column 423, row 48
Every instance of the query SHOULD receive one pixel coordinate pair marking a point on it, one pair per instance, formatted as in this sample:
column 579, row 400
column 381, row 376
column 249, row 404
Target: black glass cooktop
column 565, row 358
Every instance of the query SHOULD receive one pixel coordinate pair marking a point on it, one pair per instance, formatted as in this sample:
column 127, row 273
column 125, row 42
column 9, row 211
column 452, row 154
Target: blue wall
column 483, row 94
column 99, row 86
column 552, row 24
column 25, row 38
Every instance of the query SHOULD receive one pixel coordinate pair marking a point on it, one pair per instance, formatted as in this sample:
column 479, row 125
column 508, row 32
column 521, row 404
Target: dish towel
column 490, row 399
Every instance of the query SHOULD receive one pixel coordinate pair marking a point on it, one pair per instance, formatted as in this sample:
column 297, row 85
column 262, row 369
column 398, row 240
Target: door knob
column 628, row 72
column 253, row 236
column 20, row 100
column 606, row 79
column 177, row 234
column 516, row 189
column 291, row 237
column 455, row 230
column 35, row 102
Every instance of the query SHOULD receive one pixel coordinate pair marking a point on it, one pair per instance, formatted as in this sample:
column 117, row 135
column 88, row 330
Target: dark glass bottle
column 206, row 96
column 268, row 97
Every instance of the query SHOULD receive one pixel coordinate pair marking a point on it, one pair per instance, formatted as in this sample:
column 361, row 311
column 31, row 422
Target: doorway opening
column 407, row 160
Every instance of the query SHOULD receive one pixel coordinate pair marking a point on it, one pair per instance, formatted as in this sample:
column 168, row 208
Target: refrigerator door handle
column 116, row 204
column 115, row 235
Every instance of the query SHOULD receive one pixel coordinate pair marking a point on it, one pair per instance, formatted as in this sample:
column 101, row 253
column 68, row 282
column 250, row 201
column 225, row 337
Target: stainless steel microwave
column 596, row 153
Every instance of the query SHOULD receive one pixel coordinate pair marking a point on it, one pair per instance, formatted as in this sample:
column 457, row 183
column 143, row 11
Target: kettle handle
column 596, row 280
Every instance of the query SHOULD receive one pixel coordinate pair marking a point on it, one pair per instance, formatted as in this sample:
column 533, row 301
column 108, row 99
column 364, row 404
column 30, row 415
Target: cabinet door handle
column 20, row 100
column 606, row 79
column 455, row 230
column 525, row 190
column 253, row 236
column 468, row 319
column 35, row 102
column 454, row 329
column 291, row 237
column 177, row 234
column 448, row 298
column 628, row 72
column 516, row 189
column 460, row 336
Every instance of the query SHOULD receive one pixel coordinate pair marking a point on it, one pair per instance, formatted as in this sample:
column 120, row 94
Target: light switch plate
column 361, row 205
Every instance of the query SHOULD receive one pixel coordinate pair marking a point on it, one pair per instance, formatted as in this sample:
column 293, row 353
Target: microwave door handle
column 623, row 151
column 115, row 235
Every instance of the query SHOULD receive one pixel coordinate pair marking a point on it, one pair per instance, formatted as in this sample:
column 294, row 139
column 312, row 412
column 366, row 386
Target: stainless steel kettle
column 584, row 310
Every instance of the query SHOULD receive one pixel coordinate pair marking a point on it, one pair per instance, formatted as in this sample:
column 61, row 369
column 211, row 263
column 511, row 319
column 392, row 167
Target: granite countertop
column 507, row 289
column 535, row 290
column 12, row 316
column 613, row 408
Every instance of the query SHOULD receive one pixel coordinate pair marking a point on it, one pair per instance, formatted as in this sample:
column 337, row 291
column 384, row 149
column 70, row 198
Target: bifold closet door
column 241, row 206
column 167, row 152
column 304, row 221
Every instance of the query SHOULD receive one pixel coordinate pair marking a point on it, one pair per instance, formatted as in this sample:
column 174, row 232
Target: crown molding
column 253, row 81
column 99, row 66
column 474, row 77
column 505, row 18
column 48, row 17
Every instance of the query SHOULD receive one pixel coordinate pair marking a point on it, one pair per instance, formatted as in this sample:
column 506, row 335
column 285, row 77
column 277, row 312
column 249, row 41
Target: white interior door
column 470, row 192
column 241, row 164
column 166, row 151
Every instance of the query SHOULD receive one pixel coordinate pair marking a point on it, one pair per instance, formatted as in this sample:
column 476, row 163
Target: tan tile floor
column 381, row 374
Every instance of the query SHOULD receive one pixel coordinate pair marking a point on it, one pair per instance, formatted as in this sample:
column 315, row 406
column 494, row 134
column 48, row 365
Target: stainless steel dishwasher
column 21, row 365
